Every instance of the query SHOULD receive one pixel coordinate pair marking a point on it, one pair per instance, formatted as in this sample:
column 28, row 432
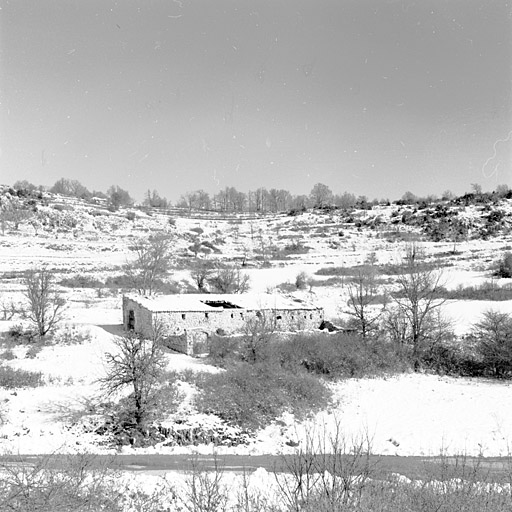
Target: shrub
column 63, row 207
column 296, row 247
column 252, row 395
column 328, row 472
column 72, row 335
column 339, row 355
column 7, row 355
column 505, row 266
column 130, row 215
column 33, row 350
column 223, row 349
column 78, row 484
column 488, row 290
column 450, row 359
column 19, row 334
column 301, row 281
column 11, row 378
column 81, row 281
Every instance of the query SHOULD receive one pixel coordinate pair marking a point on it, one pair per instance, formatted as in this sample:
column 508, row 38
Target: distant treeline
column 260, row 200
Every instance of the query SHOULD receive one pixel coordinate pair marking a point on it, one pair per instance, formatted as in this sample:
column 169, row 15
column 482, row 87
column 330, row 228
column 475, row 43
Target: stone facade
column 187, row 320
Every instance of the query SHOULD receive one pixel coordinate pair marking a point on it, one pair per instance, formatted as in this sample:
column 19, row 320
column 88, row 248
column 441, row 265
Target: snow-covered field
column 411, row 414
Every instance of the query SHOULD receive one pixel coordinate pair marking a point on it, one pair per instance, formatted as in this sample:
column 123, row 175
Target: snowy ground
column 406, row 415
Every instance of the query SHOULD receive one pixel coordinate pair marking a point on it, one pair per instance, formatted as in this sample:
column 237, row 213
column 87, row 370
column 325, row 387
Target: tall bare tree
column 137, row 364
column 151, row 263
column 362, row 301
column 320, row 195
column 419, row 283
column 45, row 304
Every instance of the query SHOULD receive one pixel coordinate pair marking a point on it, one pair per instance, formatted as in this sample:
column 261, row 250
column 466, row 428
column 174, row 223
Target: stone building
column 188, row 320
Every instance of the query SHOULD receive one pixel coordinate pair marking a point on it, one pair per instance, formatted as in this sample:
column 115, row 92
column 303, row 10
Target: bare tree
column 258, row 332
column 346, row 200
column 493, row 336
column 201, row 272
column 476, row 188
column 363, row 297
column 138, row 364
column 45, row 304
column 9, row 309
column 419, row 284
column 151, row 264
column 71, row 188
column 230, row 280
column 154, row 200
column 320, row 195
column 118, row 197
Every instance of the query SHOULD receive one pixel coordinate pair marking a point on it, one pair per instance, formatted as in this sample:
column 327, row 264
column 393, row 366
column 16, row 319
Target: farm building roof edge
column 199, row 302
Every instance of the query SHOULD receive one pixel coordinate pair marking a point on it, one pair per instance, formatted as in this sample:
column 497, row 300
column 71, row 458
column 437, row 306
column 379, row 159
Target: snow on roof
column 200, row 302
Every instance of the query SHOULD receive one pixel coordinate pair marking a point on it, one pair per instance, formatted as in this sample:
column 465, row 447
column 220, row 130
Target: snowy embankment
column 412, row 414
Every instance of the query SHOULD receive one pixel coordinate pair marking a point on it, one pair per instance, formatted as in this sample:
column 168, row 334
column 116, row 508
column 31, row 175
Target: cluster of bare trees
column 267, row 200
column 411, row 315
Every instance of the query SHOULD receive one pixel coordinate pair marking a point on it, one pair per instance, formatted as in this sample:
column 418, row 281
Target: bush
column 452, row 360
column 339, row 355
column 7, row 355
column 78, row 484
column 72, row 334
column 33, row 350
column 11, row 378
column 18, row 334
column 296, row 247
column 252, row 395
column 301, row 281
column 81, row 281
column 223, row 349
column 336, row 271
column 486, row 291
column 505, row 266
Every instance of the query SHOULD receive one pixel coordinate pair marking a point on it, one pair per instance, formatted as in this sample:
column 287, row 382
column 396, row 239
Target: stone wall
column 234, row 320
column 187, row 331
column 143, row 317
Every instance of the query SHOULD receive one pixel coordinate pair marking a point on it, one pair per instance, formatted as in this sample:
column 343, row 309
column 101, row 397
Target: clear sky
column 373, row 97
